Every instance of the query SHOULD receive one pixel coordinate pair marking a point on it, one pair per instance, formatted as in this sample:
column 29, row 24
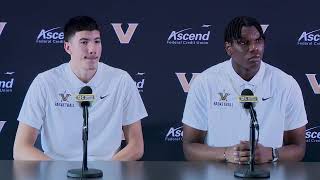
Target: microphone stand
column 85, row 172
column 251, row 172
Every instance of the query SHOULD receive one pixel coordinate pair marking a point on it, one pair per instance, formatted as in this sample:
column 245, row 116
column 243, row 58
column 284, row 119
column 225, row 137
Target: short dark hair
column 233, row 29
column 79, row 23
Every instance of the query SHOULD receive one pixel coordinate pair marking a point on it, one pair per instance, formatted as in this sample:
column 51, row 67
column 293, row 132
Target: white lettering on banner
column 124, row 38
column 190, row 36
column 309, row 36
column 314, row 83
column 178, row 35
column 174, row 134
column 313, row 135
column 139, row 79
column 50, row 35
column 184, row 82
column 2, row 124
column 2, row 24
column 140, row 83
column 8, row 84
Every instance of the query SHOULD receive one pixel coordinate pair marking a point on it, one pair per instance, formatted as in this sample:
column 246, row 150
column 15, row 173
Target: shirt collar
column 77, row 83
column 243, row 84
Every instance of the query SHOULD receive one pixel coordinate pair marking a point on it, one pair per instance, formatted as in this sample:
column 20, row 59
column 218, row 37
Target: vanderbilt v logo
column 184, row 82
column 2, row 24
column 264, row 27
column 2, row 124
column 314, row 83
column 124, row 38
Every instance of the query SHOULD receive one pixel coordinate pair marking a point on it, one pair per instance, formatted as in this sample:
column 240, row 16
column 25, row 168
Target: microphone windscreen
column 247, row 98
column 86, row 90
column 246, row 92
column 85, row 96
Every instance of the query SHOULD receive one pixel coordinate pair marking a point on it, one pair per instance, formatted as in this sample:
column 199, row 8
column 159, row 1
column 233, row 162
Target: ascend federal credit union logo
column 50, row 36
column 6, row 82
column 311, row 38
column 139, row 78
column 174, row 134
column 313, row 135
column 190, row 36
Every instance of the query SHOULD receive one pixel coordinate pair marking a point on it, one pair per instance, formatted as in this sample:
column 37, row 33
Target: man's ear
column 228, row 48
column 67, row 47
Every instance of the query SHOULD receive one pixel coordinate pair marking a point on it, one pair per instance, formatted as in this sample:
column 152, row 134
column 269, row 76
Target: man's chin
column 91, row 66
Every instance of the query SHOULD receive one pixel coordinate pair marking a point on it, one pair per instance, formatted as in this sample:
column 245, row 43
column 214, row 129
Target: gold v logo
column 124, row 38
column 2, row 24
column 314, row 83
column 64, row 97
column 184, row 82
column 223, row 96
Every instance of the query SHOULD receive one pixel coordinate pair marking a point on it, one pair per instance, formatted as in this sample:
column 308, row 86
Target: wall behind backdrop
column 144, row 38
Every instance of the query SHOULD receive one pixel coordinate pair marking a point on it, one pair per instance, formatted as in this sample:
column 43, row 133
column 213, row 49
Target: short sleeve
column 295, row 114
column 196, row 111
column 32, row 111
column 133, row 107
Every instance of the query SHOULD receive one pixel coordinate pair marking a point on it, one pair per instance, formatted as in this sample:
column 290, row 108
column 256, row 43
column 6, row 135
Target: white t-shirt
column 50, row 105
column 212, row 105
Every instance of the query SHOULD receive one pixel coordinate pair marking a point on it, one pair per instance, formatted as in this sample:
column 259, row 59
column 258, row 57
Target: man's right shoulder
column 214, row 71
column 56, row 72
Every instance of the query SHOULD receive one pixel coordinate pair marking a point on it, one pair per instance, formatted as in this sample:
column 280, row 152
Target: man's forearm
column 291, row 152
column 198, row 151
column 29, row 153
column 129, row 153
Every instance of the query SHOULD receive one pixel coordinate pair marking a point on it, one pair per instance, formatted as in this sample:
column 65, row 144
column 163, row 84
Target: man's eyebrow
column 87, row 39
column 82, row 39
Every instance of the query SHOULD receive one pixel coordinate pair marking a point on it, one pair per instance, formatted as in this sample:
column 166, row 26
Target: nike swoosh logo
column 101, row 97
column 263, row 99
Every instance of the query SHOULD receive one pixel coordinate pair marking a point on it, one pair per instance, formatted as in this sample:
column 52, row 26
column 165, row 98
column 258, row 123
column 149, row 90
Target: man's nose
column 92, row 49
column 253, row 46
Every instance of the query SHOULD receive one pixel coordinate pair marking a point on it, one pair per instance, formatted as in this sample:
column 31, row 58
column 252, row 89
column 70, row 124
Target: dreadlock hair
column 233, row 29
column 79, row 23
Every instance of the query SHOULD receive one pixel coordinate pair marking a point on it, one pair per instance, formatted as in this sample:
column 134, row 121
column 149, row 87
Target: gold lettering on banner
column 314, row 83
column 184, row 82
column 124, row 38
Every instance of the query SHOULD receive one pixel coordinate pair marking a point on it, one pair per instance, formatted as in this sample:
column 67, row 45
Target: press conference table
column 152, row 170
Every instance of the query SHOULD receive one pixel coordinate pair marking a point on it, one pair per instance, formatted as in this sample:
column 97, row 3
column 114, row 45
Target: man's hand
column 240, row 153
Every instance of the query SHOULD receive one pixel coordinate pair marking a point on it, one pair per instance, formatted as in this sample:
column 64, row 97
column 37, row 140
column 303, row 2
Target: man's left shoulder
column 277, row 74
column 113, row 72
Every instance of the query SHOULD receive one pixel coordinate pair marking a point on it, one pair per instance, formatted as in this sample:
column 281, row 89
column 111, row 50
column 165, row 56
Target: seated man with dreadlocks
column 216, row 126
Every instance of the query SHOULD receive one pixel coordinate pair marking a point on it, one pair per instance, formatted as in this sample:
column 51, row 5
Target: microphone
column 85, row 96
column 247, row 98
